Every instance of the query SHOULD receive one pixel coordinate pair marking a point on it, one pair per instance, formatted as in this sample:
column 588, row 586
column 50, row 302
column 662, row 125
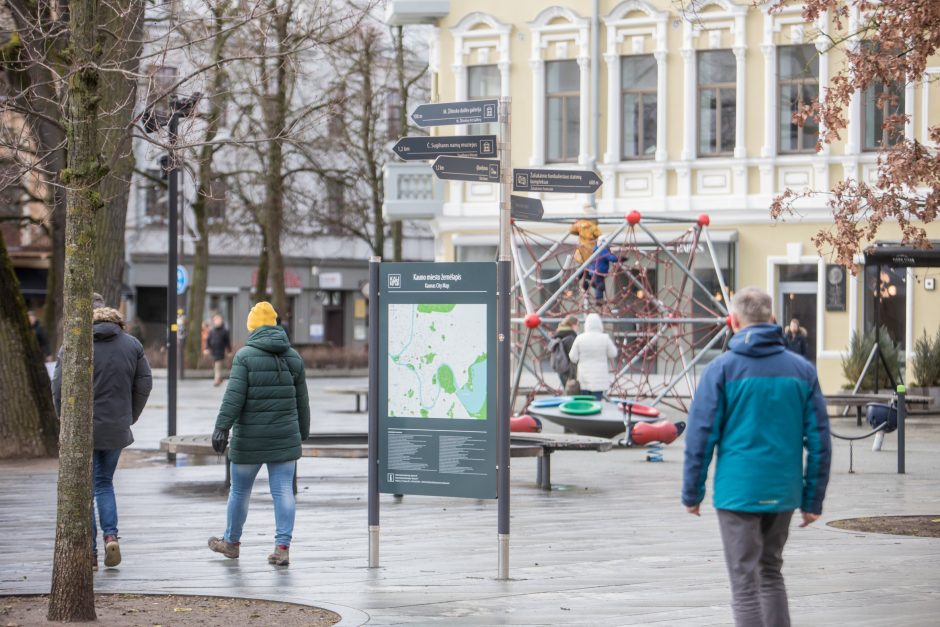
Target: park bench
column 360, row 391
column 355, row 446
column 858, row 401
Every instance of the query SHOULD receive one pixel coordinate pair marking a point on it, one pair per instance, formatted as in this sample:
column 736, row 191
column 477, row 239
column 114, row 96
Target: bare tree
column 369, row 76
column 219, row 14
column 72, row 597
column 286, row 101
column 888, row 49
column 28, row 426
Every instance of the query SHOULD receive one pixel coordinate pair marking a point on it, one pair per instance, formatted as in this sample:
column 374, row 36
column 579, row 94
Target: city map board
column 437, row 420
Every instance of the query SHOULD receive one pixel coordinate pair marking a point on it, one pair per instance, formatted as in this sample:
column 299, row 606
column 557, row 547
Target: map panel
column 437, row 361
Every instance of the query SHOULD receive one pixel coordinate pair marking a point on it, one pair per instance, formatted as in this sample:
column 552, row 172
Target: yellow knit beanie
column 261, row 315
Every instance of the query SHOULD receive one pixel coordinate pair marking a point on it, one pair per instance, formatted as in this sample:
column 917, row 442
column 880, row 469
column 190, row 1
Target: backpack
column 559, row 356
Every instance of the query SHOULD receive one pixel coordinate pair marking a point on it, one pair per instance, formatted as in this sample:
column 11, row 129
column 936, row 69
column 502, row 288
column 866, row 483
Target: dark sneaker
column 94, row 562
column 281, row 556
column 228, row 549
column 112, row 551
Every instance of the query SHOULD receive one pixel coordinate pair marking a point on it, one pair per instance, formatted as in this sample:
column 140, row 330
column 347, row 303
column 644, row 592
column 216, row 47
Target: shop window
column 886, row 301
column 798, row 85
column 563, row 105
column 716, row 102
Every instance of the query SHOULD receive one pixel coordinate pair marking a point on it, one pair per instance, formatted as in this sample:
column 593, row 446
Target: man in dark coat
column 218, row 344
column 122, row 384
column 267, row 409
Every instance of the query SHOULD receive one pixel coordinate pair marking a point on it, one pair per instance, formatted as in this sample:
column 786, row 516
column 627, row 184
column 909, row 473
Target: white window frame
column 731, row 17
column 619, row 28
column 543, row 34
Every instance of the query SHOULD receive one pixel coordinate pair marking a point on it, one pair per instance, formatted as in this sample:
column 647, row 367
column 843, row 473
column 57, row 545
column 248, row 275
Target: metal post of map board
column 503, row 281
column 374, row 411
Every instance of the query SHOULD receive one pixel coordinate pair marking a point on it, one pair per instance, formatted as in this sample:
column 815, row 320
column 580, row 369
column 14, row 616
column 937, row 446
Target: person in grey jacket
column 122, row 384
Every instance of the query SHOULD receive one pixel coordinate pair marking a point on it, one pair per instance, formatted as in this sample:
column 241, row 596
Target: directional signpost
column 429, row 148
column 525, row 208
column 447, row 113
column 420, row 440
column 559, row 181
column 467, row 169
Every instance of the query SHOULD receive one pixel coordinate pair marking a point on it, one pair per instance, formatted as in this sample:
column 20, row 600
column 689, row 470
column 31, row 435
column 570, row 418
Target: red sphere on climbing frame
column 532, row 320
column 633, row 218
column 728, row 321
column 704, row 220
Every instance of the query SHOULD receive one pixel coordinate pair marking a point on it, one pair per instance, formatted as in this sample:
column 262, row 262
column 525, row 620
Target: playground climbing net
column 659, row 291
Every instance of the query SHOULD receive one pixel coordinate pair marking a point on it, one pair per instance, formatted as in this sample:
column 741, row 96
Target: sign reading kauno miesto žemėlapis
column 437, row 379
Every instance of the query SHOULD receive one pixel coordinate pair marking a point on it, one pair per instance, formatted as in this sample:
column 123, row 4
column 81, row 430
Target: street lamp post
column 153, row 121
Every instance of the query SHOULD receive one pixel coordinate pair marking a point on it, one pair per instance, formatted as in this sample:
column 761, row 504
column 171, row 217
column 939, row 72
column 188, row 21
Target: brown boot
column 228, row 549
column 112, row 551
column 280, row 556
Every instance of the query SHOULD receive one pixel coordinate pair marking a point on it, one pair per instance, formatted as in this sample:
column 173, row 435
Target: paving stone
column 612, row 546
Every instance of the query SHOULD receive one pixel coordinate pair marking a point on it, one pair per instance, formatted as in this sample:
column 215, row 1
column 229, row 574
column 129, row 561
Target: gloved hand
column 219, row 440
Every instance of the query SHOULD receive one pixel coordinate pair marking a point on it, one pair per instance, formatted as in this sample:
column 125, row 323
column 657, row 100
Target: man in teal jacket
column 267, row 409
column 760, row 405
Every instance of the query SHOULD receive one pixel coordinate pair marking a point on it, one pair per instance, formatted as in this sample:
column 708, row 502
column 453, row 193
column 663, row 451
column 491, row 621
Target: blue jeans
column 104, row 463
column 281, row 481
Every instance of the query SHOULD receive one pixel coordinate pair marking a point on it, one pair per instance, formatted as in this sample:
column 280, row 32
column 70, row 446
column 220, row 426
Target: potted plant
column 926, row 366
column 854, row 361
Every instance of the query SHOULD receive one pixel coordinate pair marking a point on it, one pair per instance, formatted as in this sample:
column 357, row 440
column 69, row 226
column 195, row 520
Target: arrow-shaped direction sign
column 466, row 169
column 444, row 113
column 559, row 181
column 525, row 208
column 417, row 148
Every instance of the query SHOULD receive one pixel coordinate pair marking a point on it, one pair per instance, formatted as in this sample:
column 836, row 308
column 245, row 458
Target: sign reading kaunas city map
column 437, row 390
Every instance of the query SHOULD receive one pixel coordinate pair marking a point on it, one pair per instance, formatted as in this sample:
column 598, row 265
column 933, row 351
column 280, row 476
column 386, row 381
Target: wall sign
column 835, row 288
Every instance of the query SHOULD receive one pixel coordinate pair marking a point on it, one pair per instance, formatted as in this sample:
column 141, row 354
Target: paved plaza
column 611, row 545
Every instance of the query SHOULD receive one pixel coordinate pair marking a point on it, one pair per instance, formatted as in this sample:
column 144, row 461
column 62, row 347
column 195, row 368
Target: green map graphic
column 429, row 376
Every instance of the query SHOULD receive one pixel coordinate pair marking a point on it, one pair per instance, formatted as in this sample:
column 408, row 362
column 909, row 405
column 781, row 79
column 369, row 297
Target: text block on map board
column 437, row 385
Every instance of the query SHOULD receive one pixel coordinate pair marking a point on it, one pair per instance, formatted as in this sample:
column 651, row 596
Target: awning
column 898, row 256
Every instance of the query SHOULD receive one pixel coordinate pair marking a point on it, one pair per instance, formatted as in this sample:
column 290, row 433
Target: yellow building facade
column 694, row 117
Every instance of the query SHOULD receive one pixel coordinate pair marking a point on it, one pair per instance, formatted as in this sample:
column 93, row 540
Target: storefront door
column 796, row 298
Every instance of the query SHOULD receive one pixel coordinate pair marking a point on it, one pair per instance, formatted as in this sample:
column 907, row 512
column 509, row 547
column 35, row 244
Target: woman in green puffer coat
column 267, row 409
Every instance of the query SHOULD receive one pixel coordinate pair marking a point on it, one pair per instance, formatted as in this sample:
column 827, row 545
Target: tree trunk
column 28, row 425
column 122, row 28
column 261, row 280
column 72, row 597
column 397, row 234
column 277, row 123
column 52, row 310
column 197, row 291
column 368, row 137
column 40, row 100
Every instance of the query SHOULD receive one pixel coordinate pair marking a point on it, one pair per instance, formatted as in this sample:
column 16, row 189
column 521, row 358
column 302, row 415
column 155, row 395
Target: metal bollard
column 902, row 414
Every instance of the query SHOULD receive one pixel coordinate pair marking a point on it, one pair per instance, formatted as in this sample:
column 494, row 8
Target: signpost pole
column 503, row 280
column 374, row 411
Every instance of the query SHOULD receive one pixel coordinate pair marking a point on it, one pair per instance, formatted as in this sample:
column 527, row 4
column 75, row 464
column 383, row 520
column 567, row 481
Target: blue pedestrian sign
column 182, row 280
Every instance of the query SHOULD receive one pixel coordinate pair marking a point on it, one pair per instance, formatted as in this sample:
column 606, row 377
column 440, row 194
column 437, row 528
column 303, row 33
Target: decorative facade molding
column 730, row 17
column 545, row 32
column 619, row 27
